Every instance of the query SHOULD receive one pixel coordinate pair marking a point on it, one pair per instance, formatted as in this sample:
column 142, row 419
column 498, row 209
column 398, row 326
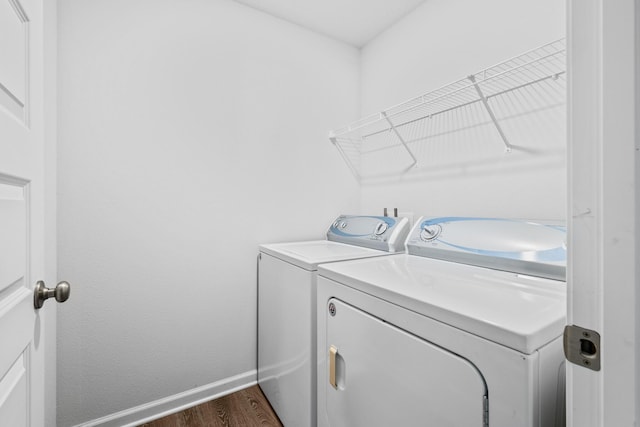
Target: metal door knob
column 42, row 293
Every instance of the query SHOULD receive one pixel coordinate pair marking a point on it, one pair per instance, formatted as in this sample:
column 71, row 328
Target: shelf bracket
column 406, row 147
column 334, row 140
column 483, row 98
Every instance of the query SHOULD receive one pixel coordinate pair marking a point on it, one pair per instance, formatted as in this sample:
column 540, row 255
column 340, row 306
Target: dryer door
column 380, row 375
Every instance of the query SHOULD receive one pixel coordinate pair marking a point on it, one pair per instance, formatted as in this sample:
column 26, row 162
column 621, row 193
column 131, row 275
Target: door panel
column 13, row 229
column 386, row 376
column 13, row 393
column 14, row 47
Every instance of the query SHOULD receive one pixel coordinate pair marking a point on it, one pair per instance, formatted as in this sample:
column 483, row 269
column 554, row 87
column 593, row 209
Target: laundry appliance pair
column 462, row 330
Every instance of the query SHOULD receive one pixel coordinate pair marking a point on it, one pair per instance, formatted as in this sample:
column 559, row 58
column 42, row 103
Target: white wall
column 443, row 41
column 189, row 132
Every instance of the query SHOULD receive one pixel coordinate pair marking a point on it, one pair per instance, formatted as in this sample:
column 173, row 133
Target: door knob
column 42, row 293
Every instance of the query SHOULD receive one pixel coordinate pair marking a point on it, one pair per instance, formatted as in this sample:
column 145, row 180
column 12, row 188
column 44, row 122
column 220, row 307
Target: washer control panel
column 376, row 232
column 526, row 247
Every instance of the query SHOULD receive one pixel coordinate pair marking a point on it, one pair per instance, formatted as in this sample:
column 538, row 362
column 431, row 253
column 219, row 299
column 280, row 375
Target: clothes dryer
column 463, row 330
column 287, row 275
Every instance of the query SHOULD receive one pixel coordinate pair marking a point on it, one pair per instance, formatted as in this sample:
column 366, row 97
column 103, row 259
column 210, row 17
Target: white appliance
column 287, row 274
column 463, row 330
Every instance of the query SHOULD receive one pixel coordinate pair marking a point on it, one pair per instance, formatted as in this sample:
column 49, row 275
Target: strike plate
column 582, row 347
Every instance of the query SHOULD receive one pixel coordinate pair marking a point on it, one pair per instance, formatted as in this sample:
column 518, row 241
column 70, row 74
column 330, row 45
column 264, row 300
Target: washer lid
column 517, row 311
column 309, row 254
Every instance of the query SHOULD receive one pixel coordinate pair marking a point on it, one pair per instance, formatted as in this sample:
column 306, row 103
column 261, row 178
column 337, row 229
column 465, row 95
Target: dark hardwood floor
column 244, row 408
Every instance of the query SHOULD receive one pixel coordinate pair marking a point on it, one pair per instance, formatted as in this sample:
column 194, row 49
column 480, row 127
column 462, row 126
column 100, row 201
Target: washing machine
column 463, row 330
column 287, row 274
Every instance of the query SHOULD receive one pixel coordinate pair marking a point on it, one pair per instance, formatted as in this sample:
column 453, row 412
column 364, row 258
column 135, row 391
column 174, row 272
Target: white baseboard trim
column 168, row 405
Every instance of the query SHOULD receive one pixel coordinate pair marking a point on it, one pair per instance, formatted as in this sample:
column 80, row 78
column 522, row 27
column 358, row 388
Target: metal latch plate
column 582, row 347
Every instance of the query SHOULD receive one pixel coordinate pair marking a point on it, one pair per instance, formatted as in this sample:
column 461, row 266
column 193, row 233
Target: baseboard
column 168, row 405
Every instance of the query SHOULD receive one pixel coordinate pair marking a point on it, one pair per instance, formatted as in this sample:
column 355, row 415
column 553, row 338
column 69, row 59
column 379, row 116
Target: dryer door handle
column 333, row 351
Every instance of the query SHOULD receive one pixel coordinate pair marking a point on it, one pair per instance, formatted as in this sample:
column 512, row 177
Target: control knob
column 430, row 232
column 380, row 228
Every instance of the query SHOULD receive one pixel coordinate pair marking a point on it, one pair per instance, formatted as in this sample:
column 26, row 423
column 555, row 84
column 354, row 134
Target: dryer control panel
column 520, row 246
column 376, row 232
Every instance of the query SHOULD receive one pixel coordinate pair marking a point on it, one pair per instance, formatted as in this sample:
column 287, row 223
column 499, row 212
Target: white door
column 604, row 143
column 27, row 353
column 380, row 375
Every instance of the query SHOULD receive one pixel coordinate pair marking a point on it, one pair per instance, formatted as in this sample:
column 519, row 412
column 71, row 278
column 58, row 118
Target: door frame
column 50, row 129
column 602, row 212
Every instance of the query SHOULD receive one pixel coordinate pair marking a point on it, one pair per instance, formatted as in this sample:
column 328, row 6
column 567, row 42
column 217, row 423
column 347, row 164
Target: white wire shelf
column 387, row 142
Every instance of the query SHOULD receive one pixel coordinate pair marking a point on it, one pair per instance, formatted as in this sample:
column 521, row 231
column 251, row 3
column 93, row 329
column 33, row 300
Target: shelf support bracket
column 406, row 147
column 352, row 168
column 507, row 146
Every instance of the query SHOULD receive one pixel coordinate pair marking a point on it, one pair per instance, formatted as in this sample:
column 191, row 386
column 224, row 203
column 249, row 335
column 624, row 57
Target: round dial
column 381, row 228
column 430, row 232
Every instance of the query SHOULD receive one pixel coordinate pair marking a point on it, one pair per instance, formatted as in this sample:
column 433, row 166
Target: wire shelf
column 386, row 143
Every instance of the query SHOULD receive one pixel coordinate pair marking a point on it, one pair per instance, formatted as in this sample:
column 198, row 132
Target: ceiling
column 355, row 22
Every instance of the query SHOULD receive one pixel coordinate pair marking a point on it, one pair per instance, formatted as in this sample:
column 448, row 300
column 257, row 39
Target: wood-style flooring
column 244, row 408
